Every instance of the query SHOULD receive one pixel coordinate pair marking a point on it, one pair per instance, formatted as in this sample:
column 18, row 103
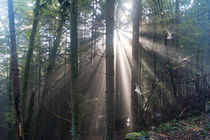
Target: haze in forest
column 104, row 69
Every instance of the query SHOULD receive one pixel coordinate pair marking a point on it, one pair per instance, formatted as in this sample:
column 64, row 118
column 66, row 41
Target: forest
column 104, row 69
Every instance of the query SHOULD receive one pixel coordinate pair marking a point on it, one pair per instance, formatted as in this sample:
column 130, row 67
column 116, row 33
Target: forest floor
column 194, row 127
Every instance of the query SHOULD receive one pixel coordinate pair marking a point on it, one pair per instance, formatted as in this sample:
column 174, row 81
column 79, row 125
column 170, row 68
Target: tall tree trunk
column 50, row 67
column 208, row 22
column 208, row 33
column 177, row 23
column 109, row 69
column 15, row 73
column 198, row 71
column 74, row 72
column 10, row 102
column 93, row 30
column 29, row 55
column 207, row 41
column 135, row 62
column 39, row 73
column 170, row 69
column 55, row 46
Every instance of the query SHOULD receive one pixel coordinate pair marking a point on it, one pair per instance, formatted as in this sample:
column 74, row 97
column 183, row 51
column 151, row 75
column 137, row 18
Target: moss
column 145, row 133
column 134, row 136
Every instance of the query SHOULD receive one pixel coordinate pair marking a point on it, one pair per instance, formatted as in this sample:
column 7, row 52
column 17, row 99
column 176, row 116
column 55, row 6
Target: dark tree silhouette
column 15, row 73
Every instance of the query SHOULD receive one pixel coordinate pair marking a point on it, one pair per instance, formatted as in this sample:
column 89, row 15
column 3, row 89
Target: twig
column 182, row 112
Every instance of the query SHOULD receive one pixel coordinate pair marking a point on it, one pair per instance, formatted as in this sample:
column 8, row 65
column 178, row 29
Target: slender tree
column 9, row 90
column 63, row 15
column 208, row 29
column 53, row 53
column 197, row 82
column 109, row 69
column 177, row 13
column 74, row 72
column 135, row 62
column 30, row 54
column 15, row 73
column 52, row 57
column 207, row 33
column 170, row 68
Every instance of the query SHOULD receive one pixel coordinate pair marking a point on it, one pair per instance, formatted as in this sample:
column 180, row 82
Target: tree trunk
column 93, row 30
column 198, row 71
column 109, row 69
column 29, row 115
column 208, row 30
column 29, row 56
column 170, row 69
column 208, row 33
column 50, row 67
column 74, row 72
column 10, row 102
column 55, row 45
column 15, row 73
column 177, row 23
column 135, row 62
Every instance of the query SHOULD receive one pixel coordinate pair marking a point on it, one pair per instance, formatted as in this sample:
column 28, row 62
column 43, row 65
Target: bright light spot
column 169, row 36
column 30, row 4
column 192, row 1
column 188, row 6
column 3, row 17
column 128, row 5
column 128, row 122
column 138, row 89
column 98, row 12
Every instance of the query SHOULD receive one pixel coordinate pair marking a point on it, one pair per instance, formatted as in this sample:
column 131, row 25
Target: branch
column 182, row 112
column 56, row 115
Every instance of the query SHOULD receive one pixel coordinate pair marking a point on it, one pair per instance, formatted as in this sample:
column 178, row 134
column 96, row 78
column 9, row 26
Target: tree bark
column 198, row 71
column 208, row 33
column 10, row 102
column 135, row 62
column 15, row 73
column 74, row 72
column 177, row 23
column 29, row 55
column 109, row 69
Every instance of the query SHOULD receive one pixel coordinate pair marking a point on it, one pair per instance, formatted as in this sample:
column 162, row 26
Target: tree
column 177, row 23
column 74, row 72
column 15, row 73
column 135, row 62
column 30, row 54
column 109, row 69
column 208, row 28
column 9, row 90
column 52, row 57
